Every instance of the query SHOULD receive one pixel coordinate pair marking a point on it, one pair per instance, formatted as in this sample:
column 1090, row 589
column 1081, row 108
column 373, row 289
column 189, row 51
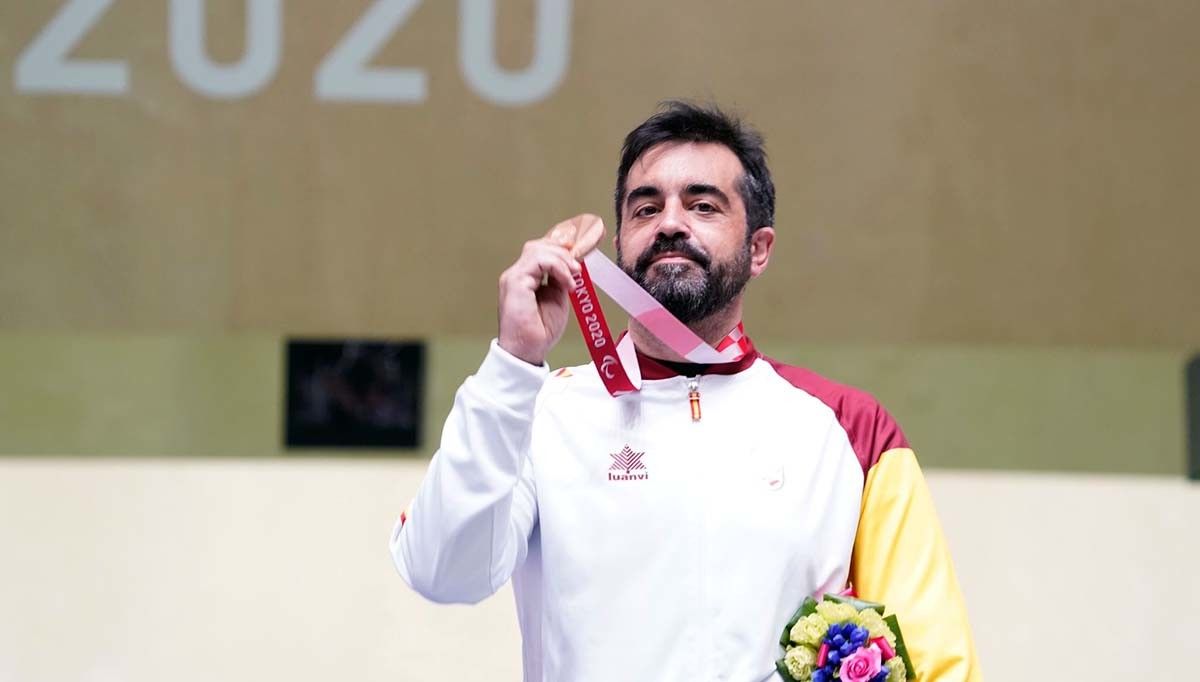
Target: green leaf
column 858, row 604
column 808, row 607
column 901, row 650
column 783, row 671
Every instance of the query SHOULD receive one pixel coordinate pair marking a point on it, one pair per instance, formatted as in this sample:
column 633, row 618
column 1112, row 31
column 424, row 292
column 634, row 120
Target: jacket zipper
column 693, row 386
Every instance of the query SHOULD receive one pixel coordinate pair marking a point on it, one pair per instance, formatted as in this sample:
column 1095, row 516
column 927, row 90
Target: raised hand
column 534, row 304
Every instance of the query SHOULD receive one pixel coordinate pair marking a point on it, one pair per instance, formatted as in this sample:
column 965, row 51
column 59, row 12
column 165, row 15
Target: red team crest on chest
column 627, row 466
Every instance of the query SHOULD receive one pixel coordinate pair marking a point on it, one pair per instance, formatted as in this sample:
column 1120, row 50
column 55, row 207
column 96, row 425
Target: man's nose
column 673, row 220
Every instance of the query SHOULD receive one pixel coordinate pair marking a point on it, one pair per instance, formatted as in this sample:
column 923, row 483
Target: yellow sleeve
column 901, row 560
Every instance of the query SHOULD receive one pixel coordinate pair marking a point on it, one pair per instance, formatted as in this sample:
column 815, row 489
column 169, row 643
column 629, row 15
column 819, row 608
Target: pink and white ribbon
column 617, row 363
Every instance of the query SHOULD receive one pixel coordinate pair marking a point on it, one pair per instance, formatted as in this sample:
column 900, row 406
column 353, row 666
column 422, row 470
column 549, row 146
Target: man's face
column 683, row 228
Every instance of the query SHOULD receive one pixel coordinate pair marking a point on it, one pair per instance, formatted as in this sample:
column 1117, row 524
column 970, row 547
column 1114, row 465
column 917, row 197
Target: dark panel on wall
column 354, row 394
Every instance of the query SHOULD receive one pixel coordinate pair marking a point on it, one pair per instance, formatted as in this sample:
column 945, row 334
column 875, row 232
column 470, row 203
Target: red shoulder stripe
column 872, row 431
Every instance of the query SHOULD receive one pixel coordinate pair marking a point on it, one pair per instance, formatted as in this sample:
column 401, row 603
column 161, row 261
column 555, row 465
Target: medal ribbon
column 617, row 363
column 598, row 338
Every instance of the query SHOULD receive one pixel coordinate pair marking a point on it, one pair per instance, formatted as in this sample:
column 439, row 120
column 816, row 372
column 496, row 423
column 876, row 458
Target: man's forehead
column 674, row 165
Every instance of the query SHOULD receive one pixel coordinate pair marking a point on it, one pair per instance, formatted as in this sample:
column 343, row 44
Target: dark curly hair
column 681, row 121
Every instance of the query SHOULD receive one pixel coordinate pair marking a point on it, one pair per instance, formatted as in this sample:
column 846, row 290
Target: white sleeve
column 468, row 526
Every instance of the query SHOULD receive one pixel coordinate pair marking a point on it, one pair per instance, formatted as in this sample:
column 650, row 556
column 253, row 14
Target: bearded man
column 669, row 533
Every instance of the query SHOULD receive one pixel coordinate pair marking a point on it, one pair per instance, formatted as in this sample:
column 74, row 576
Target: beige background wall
column 253, row 570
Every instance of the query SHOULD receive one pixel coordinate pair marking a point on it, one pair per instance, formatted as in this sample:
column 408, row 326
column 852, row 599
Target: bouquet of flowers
column 843, row 638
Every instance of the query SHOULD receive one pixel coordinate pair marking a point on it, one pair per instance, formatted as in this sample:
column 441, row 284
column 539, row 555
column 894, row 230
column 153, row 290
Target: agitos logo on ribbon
column 598, row 337
column 617, row 363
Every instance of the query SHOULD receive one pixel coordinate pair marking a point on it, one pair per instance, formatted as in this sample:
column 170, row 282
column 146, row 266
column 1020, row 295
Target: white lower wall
column 278, row 570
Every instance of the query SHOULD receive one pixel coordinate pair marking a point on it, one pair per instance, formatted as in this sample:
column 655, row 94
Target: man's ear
column 762, row 242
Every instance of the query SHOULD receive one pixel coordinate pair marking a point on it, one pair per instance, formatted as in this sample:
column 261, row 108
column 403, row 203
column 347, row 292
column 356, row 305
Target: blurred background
column 248, row 251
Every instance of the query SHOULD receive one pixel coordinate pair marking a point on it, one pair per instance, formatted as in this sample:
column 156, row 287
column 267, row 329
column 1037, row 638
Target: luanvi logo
column 627, row 466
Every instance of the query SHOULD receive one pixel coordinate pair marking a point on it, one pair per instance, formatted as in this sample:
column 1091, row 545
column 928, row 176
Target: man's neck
column 712, row 329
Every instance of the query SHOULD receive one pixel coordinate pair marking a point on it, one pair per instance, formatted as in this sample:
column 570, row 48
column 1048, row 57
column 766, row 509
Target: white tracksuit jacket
column 642, row 545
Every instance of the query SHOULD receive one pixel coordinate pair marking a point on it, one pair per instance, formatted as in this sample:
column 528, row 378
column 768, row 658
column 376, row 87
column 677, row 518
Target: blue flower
column 821, row 675
column 835, row 657
column 859, row 634
column 881, row 677
column 838, row 634
column 848, row 648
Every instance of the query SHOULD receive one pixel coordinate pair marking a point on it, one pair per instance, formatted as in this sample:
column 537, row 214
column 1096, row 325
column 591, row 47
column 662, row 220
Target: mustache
column 677, row 244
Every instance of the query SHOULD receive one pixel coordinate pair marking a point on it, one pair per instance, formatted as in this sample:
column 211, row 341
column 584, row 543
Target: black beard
column 690, row 292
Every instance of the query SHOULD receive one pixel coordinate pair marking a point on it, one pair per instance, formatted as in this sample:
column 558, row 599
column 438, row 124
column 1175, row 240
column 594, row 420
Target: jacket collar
column 654, row 368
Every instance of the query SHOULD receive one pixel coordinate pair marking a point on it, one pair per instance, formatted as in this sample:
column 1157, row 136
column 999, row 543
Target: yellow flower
column 809, row 630
column 835, row 612
column 800, row 662
column 873, row 622
column 896, row 670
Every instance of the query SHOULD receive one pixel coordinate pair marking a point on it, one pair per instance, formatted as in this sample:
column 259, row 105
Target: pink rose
column 861, row 665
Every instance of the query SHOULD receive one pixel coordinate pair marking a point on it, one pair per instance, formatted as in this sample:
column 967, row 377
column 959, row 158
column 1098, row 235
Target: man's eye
column 705, row 207
column 646, row 211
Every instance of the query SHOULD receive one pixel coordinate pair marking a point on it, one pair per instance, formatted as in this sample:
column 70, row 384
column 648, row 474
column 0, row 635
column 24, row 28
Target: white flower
column 800, row 661
column 809, row 630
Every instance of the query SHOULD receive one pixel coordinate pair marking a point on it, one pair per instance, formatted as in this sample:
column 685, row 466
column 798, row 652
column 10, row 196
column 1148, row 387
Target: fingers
column 542, row 262
column 533, row 299
column 580, row 234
